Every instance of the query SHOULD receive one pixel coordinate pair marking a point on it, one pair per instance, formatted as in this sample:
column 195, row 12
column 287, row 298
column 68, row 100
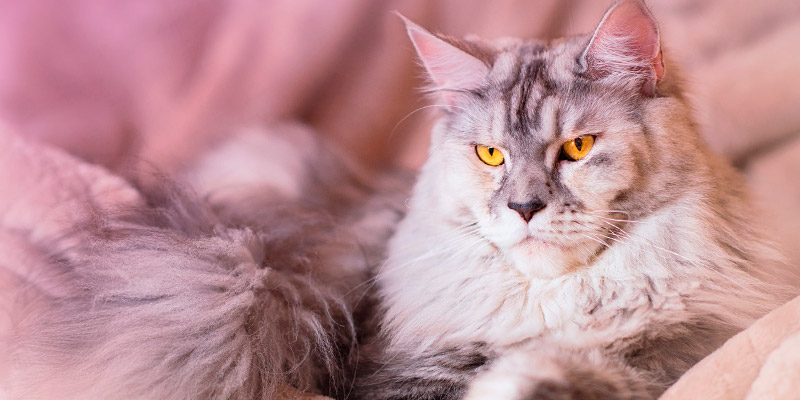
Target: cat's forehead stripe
column 504, row 66
column 525, row 91
column 529, row 73
column 550, row 118
column 545, row 89
column 512, row 99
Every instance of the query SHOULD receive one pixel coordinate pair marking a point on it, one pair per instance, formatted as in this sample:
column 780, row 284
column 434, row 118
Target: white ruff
column 469, row 292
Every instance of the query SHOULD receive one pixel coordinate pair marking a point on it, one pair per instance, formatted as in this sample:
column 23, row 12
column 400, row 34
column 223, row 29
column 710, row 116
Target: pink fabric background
column 124, row 84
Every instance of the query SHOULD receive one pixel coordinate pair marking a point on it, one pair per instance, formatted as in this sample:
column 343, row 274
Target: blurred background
column 121, row 83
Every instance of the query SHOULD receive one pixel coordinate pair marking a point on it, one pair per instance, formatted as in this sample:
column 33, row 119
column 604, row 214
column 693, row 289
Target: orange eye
column 489, row 155
column 578, row 148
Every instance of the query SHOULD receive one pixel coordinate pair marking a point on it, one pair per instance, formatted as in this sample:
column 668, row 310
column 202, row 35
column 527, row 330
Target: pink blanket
column 762, row 362
column 44, row 197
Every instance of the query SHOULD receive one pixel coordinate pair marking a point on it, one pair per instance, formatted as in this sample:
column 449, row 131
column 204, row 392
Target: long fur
column 187, row 296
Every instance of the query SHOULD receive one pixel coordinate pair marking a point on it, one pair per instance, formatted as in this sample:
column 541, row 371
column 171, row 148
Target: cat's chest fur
column 441, row 294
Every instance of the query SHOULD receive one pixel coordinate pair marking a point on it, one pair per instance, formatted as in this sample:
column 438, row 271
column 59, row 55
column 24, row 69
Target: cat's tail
column 182, row 297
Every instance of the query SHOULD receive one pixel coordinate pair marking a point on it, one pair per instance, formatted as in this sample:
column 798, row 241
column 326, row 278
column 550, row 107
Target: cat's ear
column 626, row 45
column 449, row 67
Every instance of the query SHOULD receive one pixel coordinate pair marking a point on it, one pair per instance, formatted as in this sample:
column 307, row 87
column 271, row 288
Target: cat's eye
column 489, row 155
column 577, row 148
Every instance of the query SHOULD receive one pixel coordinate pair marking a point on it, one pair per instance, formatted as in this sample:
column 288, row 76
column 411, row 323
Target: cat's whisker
column 442, row 243
column 622, row 234
column 619, row 235
column 445, row 246
column 618, row 220
column 453, row 233
column 409, row 115
column 603, row 212
column 620, row 238
column 596, row 240
column 594, row 227
column 461, row 236
column 453, row 246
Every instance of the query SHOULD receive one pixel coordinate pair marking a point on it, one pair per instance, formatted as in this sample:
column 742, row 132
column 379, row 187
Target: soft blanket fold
column 762, row 362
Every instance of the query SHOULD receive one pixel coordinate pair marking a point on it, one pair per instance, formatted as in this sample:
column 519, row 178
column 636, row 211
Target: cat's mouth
column 538, row 242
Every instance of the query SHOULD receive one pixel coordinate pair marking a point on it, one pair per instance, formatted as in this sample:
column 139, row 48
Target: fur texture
column 637, row 261
column 235, row 294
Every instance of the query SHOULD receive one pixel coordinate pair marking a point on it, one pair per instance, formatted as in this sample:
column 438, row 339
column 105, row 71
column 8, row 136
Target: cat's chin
column 542, row 259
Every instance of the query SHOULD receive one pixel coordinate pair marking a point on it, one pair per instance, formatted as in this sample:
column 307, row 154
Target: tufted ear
column 626, row 46
column 449, row 67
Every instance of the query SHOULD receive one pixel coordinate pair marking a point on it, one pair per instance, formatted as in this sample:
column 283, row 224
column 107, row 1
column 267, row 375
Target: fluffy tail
column 183, row 298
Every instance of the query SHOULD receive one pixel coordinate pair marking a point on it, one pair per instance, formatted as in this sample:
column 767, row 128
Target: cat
column 570, row 235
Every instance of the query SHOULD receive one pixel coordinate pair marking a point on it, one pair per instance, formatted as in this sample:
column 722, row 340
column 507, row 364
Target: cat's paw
column 535, row 376
column 518, row 388
column 552, row 390
column 519, row 377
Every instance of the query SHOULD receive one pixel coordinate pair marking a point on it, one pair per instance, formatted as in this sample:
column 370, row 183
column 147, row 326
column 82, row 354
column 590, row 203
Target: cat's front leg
column 437, row 374
column 559, row 374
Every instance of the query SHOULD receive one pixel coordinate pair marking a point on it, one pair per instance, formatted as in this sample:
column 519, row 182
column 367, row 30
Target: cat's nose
column 526, row 210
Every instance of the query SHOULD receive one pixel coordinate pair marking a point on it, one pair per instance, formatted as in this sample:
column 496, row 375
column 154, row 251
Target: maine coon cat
column 570, row 235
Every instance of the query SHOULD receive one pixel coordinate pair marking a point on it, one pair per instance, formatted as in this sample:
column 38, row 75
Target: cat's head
column 547, row 146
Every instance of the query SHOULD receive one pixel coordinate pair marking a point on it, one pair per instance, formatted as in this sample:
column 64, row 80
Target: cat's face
column 567, row 161
column 541, row 145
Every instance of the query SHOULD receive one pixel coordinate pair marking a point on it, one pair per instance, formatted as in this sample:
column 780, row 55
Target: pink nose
column 527, row 210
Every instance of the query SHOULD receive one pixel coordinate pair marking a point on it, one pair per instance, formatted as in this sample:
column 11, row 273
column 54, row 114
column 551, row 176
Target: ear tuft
column 626, row 46
column 449, row 67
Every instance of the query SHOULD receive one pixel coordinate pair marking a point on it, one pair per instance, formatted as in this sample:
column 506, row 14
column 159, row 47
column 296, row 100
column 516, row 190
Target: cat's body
column 601, row 276
column 530, row 276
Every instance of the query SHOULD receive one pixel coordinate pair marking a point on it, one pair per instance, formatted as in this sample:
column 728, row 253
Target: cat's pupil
column 491, row 151
column 578, row 143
